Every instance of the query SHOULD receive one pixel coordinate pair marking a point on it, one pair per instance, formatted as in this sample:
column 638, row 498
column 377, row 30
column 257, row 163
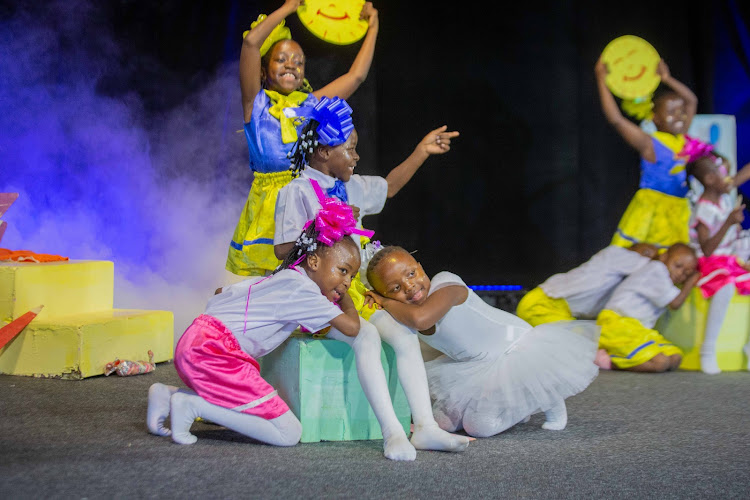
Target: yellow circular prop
column 335, row 21
column 632, row 63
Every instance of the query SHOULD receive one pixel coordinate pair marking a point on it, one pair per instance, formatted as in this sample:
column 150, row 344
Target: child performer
column 272, row 80
column 722, row 246
column 328, row 144
column 215, row 357
column 497, row 369
column 582, row 292
column 629, row 316
column 659, row 212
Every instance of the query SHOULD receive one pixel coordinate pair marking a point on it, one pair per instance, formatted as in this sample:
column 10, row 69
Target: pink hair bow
column 334, row 220
column 695, row 148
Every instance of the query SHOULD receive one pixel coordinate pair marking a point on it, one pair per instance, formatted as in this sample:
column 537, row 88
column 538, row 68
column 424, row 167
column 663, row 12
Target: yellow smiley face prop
column 335, row 21
column 632, row 63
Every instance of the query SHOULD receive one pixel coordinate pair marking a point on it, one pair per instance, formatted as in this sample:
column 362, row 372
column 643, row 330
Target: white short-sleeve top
column 297, row 202
column 277, row 305
column 645, row 294
column 589, row 286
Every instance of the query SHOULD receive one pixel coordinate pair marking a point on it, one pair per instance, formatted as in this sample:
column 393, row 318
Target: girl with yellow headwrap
column 272, row 78
column 659, row 212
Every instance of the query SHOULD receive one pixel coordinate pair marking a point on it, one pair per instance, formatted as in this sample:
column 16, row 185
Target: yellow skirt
column 251, row 249
column 536, row 308
column 654, row 217
column 628, row 342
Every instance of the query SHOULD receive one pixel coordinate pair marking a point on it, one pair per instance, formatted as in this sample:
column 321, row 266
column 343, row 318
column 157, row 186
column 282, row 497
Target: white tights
column 413, row 378
column 184, row 406
column 366, row 346
column 717, row 310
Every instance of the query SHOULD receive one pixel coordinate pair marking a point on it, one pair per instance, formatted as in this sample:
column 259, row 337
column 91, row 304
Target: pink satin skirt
column 720, row 270
column 209, row 360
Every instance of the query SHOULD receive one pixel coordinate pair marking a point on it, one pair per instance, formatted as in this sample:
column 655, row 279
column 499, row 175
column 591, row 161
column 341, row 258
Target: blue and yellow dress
column 270, row 135
column 659, row 213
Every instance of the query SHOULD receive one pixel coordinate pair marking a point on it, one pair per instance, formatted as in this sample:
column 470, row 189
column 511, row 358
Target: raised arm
column 423, row 316
column 709, row 243
column 682, row 90
column 345, row 85
column 685, row 291
column 743, row 175
column 250, row 63
column 632, row 133
column 436, row 142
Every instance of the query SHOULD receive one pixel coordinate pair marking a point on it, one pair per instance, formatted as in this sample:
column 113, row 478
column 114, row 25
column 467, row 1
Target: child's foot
column 709, row 365
column 397, row 447
column 432, row 437
column 158, row 408
column 603, row 360
column 557, row 418
column 183, row 414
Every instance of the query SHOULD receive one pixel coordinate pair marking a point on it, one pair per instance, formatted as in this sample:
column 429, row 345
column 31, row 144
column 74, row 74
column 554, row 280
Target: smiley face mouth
column 636, row 77
column 335, row 18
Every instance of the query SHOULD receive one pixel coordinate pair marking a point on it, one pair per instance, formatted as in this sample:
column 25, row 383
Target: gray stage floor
column 675, row 435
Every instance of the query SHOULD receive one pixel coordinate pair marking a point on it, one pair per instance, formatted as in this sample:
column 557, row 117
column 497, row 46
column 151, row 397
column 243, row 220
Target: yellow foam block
column 64, row 288
column 80, row 346
column 685, row 327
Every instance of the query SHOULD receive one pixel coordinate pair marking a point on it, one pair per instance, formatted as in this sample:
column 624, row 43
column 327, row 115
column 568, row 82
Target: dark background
column 537, row 181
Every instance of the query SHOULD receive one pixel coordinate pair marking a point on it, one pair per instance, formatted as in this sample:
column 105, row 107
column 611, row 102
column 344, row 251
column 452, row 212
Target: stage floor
column 675, row 435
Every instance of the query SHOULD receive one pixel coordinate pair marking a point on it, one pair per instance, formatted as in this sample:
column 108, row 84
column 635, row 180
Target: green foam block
column 318, row 380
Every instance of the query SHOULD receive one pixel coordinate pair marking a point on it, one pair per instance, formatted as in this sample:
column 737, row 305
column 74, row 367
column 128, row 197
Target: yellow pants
column 653, row 217
column 251, row 248
column 537, row 308
column 628, row 342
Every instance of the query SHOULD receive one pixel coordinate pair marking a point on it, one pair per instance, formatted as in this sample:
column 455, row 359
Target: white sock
column 717, row 310
column 746, row 349
column 367, row 348
column 284, row 430
column 432, row 437
column 557, row 417
column 158, row 408
column 427, row 434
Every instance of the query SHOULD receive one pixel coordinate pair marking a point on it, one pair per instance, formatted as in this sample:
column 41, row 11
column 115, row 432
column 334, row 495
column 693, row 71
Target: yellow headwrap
column 280, row 32
column 641, row 109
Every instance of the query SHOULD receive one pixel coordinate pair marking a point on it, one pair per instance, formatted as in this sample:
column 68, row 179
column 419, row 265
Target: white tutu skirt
column 547, row 364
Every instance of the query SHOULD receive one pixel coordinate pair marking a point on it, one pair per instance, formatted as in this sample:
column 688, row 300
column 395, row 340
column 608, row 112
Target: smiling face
column 342, row 159
column 632, row 64
column 670, row 114
column 285, row 67
column 335, row 21
column 332, row 268
column 400, row 277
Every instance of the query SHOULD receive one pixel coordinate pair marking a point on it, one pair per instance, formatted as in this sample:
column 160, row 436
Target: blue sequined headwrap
column 329, row 124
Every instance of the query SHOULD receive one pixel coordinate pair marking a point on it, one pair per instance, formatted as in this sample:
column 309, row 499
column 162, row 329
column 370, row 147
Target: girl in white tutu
column 497, row 369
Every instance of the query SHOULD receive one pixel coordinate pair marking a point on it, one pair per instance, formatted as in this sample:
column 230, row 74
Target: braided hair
column 307, row 244
column 303, row 149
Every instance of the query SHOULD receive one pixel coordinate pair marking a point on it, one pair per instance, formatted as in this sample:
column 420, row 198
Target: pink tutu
column 720, row 270
column 209, row 360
